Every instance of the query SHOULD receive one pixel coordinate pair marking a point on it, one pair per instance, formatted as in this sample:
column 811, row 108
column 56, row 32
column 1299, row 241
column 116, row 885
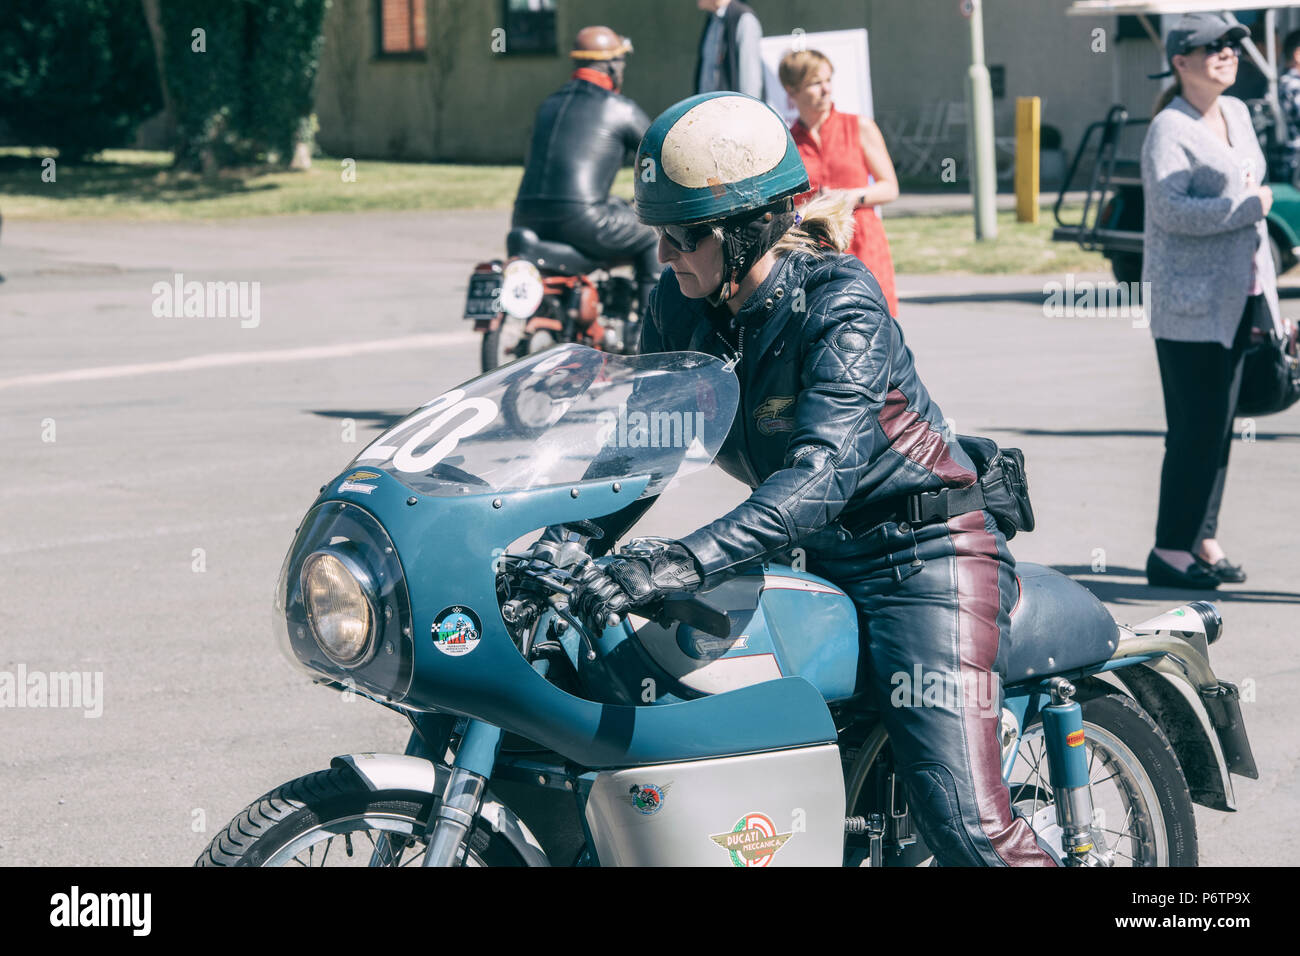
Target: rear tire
column 301, row 822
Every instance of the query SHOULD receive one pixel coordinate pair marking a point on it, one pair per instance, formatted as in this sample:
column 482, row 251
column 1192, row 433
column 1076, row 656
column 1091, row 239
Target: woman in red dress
column 840, row 151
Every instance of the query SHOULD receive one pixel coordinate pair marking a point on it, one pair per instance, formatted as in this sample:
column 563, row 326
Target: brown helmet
column 600, row 43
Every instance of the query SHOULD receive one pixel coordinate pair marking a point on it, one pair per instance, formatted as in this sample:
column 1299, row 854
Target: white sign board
column 847, row 51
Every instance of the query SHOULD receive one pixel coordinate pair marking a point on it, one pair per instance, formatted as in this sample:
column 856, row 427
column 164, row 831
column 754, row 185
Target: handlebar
column 539, row 569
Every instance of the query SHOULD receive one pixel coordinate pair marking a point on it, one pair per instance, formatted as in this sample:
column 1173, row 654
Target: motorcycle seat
column 548, row 256
column 1057, row 625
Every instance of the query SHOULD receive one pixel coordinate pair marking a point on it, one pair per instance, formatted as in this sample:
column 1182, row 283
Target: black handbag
column 1270, row 373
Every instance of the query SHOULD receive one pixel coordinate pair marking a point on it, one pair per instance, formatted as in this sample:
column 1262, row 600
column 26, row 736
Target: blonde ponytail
column 827, row 225
column 1167, row 95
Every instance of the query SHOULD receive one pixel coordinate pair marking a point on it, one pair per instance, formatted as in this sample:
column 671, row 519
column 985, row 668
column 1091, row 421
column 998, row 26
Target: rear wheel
column 1142, row 808
column 330, row 818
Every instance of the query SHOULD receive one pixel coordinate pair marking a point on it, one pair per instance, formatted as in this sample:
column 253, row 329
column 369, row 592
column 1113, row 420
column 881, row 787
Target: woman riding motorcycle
column 845, row 451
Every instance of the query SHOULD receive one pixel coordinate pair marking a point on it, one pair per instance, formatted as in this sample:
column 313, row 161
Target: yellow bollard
column 1027, row 121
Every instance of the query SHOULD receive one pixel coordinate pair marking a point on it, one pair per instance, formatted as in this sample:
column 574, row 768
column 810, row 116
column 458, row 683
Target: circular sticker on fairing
column 456, row 630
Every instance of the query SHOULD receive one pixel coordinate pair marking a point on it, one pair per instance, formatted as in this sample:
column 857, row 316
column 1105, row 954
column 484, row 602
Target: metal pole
column 979, row 103
column 1270, row 40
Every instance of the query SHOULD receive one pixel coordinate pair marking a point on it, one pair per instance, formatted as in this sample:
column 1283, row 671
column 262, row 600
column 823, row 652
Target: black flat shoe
column 1225, row 571
column 1161, row 573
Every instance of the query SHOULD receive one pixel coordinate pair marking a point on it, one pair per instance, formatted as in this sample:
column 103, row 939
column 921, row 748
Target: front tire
column 331, row 818
column 1142, row 808
column 502, row 345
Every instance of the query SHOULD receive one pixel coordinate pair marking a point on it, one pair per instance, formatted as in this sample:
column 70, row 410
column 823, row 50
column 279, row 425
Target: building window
column 400, row 28
column 530, row 26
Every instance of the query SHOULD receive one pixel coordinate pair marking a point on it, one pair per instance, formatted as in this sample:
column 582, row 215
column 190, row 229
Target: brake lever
column 577, row 626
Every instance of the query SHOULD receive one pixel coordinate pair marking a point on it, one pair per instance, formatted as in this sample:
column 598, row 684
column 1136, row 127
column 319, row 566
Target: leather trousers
column 606, row 231
column 934, row 606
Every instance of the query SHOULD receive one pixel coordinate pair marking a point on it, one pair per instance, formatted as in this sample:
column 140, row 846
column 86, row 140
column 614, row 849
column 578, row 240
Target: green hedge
column 77, row 75
column 248, row 94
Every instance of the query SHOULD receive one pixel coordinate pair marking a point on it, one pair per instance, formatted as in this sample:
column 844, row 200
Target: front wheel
column 330, row 818
column 1142, row 810
column 504, row 344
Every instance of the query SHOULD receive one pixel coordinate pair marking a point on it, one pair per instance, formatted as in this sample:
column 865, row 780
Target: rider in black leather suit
column 581, row 137
column 834, row 431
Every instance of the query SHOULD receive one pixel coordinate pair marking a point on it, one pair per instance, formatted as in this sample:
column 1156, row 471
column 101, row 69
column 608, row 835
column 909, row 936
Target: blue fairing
column 446, row 546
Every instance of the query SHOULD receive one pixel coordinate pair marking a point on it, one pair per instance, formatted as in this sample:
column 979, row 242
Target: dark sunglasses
column 1218, row 46
column 684, row 238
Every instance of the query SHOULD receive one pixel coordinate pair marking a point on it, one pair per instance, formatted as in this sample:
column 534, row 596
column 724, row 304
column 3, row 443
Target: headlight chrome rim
column 365, row 588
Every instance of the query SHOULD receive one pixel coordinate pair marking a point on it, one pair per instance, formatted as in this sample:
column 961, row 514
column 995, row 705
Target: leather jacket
column 581, row 137
column 832, row 416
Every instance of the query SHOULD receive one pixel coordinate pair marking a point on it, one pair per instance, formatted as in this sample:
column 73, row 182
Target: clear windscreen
column 569, row 414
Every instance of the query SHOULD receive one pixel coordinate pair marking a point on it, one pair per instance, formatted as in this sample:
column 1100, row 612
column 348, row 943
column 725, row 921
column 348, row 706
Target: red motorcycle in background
column 547, row 293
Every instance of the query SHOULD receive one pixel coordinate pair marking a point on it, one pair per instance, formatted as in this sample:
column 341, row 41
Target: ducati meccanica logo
column 753, row 841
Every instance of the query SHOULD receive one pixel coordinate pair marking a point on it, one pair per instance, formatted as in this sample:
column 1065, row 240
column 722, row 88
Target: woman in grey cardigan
column 1209, row 267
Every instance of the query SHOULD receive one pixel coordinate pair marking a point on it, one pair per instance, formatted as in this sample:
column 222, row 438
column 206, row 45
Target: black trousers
column 1202, row 381
column 608, row 231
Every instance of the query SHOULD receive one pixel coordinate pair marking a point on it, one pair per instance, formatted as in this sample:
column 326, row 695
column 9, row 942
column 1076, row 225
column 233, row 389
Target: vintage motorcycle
column 726, row 729
column 547, row 293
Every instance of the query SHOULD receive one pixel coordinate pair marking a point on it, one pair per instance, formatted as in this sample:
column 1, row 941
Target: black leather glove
column 646, row 570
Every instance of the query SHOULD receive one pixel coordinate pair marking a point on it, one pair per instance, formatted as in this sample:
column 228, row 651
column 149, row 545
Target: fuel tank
column 784, row 623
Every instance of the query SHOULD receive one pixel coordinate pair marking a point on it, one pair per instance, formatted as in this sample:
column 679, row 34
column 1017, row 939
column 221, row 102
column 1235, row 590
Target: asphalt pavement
column 156, row 466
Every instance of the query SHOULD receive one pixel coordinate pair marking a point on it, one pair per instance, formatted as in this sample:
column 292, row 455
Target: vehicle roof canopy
column 1265, row 60
column 1086, row 7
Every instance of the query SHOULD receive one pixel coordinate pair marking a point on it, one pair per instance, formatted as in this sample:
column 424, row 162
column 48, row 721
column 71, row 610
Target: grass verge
column 139, row 185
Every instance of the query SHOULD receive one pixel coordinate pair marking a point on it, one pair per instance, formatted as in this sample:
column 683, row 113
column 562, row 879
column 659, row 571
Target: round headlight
column 340, row 614
column 521, row 288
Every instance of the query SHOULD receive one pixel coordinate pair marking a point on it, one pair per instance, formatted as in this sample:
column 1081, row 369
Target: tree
column 241, row 74
column 77, row 75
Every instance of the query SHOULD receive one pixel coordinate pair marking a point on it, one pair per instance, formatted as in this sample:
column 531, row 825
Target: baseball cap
column 1197, row 29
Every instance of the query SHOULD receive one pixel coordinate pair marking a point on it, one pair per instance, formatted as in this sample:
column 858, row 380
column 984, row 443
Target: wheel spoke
column 1124, row 783
column 414, row 858
column 1122, row 834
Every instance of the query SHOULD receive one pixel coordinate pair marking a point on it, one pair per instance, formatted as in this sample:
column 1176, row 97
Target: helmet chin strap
column 744, row 243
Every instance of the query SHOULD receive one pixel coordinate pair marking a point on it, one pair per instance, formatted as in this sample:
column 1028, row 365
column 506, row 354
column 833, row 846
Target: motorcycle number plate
column 483, row 301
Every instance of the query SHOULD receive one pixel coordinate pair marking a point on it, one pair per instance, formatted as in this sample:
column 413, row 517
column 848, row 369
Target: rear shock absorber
column 1067, row 758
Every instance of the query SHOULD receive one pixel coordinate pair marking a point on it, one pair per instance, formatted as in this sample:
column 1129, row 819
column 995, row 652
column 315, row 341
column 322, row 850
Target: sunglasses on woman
column 684, row 238
column 1218, row 46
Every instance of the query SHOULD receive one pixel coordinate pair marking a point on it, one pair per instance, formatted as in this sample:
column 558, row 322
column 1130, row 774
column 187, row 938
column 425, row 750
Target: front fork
column 471, row 768
column 1068, row 764
column 463, row 796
